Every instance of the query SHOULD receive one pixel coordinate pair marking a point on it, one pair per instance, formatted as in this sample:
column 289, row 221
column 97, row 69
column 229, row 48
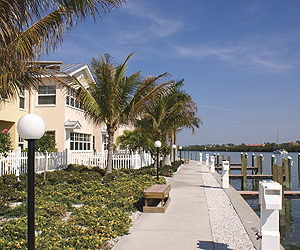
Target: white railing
column 15, row 162
column 120, row 160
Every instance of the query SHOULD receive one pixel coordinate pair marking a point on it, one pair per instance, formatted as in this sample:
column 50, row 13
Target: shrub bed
column 97, row 206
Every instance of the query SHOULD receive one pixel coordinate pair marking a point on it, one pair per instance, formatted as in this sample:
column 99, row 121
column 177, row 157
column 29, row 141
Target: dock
column 252, row 176
column 254, row 194
column 237, row 168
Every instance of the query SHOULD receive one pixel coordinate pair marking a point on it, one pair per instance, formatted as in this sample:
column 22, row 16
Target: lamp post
column 157, row 144
column 174, row 151
column 31, row 127
column 180, row 148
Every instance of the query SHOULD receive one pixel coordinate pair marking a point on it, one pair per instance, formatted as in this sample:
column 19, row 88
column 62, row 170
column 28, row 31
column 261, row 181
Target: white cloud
column 160, row 24
column 219, row 108
column 274, row 54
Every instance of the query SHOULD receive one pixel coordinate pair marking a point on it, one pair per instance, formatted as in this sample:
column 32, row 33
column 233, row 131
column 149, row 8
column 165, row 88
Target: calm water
column 291, row 232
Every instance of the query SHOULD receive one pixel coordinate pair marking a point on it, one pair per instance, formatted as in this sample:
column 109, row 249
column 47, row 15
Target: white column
column 225, row 174
column 212, row 165
column 207, row 159
column 67, row 140
column 270, row 201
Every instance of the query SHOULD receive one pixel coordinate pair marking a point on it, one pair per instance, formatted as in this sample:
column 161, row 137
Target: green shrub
column 104, row 214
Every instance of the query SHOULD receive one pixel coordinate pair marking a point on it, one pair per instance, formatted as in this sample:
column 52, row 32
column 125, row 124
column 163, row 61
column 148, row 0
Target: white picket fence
column 15, row 162
column 120, row 160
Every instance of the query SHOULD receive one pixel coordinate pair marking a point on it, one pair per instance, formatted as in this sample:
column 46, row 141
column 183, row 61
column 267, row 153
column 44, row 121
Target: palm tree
column 170, row 113
column 116, row 99
column 31, row 27
column 135, row 139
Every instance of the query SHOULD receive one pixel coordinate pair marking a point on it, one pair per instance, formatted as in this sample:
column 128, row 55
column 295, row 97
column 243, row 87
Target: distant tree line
column 269, row 147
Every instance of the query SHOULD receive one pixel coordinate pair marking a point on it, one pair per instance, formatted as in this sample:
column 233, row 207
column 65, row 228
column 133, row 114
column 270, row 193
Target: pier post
column 253, row 162
column 284, row 170
column 273, row 159
column 259, row 163
column 288, row 174
column 242, row 156
column 275, row 172
column 218, row 160
column 212, row 165
column 206, row 159
column 228, row 159
column 225, row 174
column 223, row 157
column 244, row 171
column 299, row 166
column 280, row 181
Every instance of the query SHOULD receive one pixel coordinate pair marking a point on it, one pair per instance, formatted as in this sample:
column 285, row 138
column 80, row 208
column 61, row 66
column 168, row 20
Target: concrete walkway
column 185, row 225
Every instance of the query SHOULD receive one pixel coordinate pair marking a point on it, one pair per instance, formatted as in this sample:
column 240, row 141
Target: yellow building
column 10, row 112
column 62, row 112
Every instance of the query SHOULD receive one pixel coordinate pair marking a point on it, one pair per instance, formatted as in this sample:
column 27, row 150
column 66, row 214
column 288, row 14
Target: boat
column 279, row 151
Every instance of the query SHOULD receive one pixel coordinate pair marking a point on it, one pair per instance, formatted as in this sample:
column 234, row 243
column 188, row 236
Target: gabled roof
column 72, row 124
column 61, row 70
column 72, row 68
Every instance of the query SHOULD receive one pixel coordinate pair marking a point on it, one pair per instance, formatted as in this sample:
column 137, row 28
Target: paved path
column 185, row 224
column 201, row 215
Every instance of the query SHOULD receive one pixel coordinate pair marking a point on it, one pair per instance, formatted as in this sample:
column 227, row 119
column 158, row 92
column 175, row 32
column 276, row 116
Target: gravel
column 227, row 230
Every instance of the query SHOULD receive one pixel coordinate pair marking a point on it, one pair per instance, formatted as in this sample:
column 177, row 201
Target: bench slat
column 157, row 191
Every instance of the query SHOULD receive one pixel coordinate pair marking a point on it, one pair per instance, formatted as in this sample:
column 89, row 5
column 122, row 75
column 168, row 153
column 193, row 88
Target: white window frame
column 22, row 98
column 80, row 142
column 105, row 142
column 46, row 95
column 72, row 101
column 21, row 142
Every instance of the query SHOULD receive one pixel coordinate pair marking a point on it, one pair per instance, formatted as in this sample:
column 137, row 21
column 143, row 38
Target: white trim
column 45, row 105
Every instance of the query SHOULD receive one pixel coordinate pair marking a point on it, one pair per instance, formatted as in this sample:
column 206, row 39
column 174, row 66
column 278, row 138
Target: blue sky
column 240, row 60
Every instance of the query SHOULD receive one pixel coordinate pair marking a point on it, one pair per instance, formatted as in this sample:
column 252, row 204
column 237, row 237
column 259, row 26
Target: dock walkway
column 200, row 216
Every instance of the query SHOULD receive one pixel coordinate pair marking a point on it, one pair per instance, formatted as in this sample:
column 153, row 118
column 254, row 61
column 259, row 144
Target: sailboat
column 279, row 151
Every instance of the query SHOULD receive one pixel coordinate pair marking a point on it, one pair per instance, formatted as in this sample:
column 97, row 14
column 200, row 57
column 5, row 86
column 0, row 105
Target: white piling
column 225, row 174
column 212, row 164
column 270, row 201
column 207, row 159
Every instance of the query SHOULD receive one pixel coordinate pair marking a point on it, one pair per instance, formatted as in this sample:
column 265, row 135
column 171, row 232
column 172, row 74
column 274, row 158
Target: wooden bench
column 159, row 196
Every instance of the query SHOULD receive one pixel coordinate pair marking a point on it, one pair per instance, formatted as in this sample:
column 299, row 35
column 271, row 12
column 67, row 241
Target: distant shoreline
column 239, row 148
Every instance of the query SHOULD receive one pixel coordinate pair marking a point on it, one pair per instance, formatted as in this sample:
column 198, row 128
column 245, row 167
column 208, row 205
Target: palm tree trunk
column 109, row 166
column 167, row 158
column 175, row 142
column 171, row 145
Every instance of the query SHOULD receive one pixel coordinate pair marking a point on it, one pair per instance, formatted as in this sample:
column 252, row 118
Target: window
column 46, row 95
column 121, row 147
column 22, row 98
column 52, row 133
column 80, row 141
column 21, row 143
column 105, row 142
column 72, row 101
